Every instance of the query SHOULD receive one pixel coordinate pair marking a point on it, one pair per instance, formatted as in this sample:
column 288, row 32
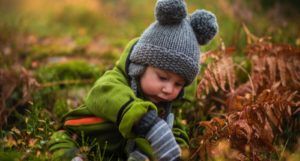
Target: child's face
column 160, row 85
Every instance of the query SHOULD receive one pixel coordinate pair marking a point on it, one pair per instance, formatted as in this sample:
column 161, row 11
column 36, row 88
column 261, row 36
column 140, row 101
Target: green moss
column 60, row 107
column 72, row 70
column 10, row 155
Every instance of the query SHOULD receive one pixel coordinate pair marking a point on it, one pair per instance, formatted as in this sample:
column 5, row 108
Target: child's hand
column 160, row 136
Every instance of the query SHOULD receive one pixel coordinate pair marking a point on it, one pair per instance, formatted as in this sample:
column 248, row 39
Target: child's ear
column 205, row 26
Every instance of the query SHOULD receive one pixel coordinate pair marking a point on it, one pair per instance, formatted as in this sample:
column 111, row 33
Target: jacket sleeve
column 112, row 99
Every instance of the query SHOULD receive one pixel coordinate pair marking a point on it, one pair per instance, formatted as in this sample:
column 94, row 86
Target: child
column 128, row 110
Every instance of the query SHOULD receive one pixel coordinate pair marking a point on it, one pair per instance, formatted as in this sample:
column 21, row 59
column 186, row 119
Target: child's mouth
column 157, row 99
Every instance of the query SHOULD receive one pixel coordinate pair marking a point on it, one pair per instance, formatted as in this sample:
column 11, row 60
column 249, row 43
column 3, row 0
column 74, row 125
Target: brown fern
column 251, row 131
column 270, row 64
column 16, row 87
column 274, row 63
column 259, row 109
column 219, row 73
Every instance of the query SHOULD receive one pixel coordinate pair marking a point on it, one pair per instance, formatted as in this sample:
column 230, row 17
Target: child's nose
column 168, row 88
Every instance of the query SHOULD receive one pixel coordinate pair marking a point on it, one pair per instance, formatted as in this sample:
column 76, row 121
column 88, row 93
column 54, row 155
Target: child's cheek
column 150, row 90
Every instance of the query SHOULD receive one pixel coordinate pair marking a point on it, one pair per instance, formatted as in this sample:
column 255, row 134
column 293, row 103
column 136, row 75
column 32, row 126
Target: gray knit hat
column 172, row 41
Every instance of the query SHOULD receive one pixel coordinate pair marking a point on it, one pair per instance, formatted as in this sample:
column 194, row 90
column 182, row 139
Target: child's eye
column 179, row 84
column 162, row 78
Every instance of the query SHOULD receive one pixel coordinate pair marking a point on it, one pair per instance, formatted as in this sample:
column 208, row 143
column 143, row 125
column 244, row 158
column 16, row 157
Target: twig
column 250, row 36
column 66, row 82
column 250, row 79
column 218, row 100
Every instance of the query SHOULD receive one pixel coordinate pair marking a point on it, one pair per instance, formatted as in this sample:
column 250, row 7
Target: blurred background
column 60, row 47
column 36, row 31
column 32, row 30
column 111, row 23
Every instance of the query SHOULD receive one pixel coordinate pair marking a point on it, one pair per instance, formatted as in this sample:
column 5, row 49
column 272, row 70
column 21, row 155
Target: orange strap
column 84, row 121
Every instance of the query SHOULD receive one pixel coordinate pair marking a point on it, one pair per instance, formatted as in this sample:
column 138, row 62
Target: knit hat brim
column 177, row 62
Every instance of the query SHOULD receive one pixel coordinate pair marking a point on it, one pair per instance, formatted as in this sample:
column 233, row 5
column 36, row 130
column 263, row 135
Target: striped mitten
column 77, row 159
column 160, row 136
column 137, row 156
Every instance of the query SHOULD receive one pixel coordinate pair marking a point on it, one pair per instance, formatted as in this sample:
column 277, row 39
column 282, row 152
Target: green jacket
column 112, row 99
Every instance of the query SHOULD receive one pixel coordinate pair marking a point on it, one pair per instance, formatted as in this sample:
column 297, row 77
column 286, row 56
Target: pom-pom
column 170, row 11
column 205, row 26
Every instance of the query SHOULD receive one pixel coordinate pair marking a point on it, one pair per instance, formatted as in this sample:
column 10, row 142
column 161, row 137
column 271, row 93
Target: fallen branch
column 66, row 82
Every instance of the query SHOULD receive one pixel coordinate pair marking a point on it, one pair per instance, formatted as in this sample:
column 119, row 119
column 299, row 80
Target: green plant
column 72, row 70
